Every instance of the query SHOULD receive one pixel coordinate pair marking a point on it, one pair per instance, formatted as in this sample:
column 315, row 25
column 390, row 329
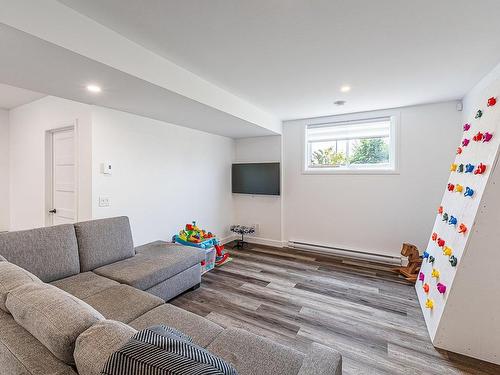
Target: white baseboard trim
column 227, row 239
column 255, row 240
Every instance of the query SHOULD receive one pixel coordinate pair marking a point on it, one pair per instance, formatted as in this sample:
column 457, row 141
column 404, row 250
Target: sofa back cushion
column 50, row 253
column 11, row 277
column 104, row 241
column 52, row 316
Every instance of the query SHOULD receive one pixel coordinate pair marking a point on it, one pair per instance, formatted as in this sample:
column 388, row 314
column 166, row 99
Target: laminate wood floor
column 359, row 308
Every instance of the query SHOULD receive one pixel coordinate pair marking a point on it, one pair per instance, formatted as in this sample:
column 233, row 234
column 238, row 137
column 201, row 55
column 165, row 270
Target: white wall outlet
column 256, row 227
column 104, row 201
column 106, row 168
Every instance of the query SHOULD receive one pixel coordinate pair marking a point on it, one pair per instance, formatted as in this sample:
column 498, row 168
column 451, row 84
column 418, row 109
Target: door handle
column 53, row 211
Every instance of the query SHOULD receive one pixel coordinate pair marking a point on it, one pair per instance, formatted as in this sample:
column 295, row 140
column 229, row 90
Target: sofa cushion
column 95, row 345
column 84, row 284
column 12, row 276
column 177, row 284
column 103, row 241
column 54, row 317
column 255, row 355
column 123, row 303
column 321, row 360
column 148, row 269
column 50, row 253
column 21, row 353
column 201, row 330
column 2, row 259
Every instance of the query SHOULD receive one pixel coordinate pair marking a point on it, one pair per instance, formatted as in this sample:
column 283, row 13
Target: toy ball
column 465, row 142
column 426, row 288
column 447, row 251
column 469, row 168
column 429, row 303
column 445, row 217
column 434, row 236
column 453, row 220
column 441, row 288
column 460, row 168
column 421, row 276
column 466, row 127
column 492, row 101
column 481, row 168
column 478, row 137
column 451, row 187
column 479, row 114
column 440, row 210
column 425, row 255
column 441, row 242
column 468, row 192
column 435, row 273
column 459, row 188
column 487, row 137
column 462, row 228
column 453, row 261
column 431, row 259
column 459, row 150
column 453, row 167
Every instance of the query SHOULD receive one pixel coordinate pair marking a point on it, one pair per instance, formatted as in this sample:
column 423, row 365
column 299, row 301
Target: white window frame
column 393, row 167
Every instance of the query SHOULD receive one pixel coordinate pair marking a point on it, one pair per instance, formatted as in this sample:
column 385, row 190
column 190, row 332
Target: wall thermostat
column 106, row 168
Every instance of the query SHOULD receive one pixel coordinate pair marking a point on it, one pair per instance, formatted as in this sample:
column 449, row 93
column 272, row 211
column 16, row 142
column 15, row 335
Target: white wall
column 258, row 209
column 373, row 213
column 4, row 170
column 163, row 175
column 28, row 125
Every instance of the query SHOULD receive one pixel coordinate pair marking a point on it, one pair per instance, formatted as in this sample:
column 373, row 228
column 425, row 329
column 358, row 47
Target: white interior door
column 64, row 192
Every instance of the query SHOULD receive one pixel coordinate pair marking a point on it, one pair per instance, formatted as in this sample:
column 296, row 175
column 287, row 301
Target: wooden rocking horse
column 410, row 272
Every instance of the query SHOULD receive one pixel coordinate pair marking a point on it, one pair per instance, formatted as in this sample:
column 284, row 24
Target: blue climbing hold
column 468, row 192
column 453, row 220
column 425, row 255
column 469, row 168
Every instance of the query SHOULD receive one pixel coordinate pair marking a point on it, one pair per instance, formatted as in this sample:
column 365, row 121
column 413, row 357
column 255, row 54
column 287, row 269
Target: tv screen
column 256, row 178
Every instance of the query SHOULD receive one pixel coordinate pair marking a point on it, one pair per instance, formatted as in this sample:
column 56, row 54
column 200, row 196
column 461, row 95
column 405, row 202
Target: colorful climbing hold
column 469, row 168
column 466, row 127
column 453, row 220
column 462, row 228
column 459, row 188
column 429, row 303
column 465, row 142
column 492, row 101
column 441, row 242
column 451, row 187
column 453, row 167
column 468, row 192
column 459, row 150
column 434, row 236
column 460, row 168
column 432, row 259
column 453, row 261
column 487, row 137
column 445, row 217
column 478, row 137
column 479, row 114
column 421, row 276
column 481, row 168
column 441, row 288
column 447, row 251
column 425, row 254
column 426, row 288
column 435, row 273
column 440, row 210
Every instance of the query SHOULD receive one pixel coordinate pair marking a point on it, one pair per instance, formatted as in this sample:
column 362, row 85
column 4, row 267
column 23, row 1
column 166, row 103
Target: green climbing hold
column 445, row 217
column 453, row 261
column 479, row 114
column 431, row 259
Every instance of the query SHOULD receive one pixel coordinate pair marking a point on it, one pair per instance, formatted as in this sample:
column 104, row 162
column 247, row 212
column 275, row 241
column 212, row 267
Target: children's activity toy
column 241, row 230
column 194, row 236
column 411, row 270
column 458, row 278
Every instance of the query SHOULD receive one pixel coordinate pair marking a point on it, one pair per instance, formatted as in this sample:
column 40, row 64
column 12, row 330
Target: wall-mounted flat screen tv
column 256, row 178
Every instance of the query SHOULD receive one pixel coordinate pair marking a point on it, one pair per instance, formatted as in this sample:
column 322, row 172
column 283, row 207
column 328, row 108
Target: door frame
column 49, row 167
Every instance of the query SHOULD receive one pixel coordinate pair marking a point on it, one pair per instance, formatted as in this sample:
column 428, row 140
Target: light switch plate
column 104, row 201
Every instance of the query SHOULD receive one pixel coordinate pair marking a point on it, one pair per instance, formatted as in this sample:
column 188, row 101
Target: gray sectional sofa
column 70, row 295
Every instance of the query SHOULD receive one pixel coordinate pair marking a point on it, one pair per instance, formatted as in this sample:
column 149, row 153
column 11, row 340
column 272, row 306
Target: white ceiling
column 11, row 97
column 290, row 57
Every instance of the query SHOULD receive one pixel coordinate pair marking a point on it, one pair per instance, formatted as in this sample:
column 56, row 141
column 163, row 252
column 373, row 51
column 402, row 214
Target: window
column 361, row 145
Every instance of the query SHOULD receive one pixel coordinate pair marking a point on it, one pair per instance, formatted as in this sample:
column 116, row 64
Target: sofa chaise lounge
column 70, row 295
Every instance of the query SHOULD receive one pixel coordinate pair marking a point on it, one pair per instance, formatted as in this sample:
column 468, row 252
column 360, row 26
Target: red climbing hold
column 492, row 101
column 478, row 137
column 434, row 236
column 441, row 242
column 481, row 168
column 462, row 228
column 451, row 187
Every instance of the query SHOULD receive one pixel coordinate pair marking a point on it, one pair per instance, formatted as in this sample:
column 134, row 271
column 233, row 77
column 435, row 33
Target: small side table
column 241, row 230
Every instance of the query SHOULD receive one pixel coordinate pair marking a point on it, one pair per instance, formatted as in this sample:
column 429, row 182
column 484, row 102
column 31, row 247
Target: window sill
column 340, row 171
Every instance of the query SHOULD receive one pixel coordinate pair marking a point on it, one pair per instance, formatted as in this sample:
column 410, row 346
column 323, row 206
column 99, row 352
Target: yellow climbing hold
column 447, row 251
column 453, row 167
column 429, row 303
column 435, row 273
column 459, row 188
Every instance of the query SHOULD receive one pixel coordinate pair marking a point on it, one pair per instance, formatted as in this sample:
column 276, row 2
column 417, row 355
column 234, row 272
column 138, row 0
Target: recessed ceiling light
column 93, row 88
column 345, row 88
column 339, row 102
